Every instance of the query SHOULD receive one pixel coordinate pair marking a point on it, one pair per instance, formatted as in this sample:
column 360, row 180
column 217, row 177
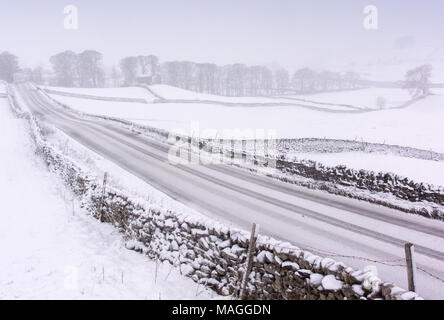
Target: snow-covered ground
column 360, row 99
column 2, row 87
column 418, row 126
column 340, row 100
column 127, row 92
column 365, row 98
column 51, row 249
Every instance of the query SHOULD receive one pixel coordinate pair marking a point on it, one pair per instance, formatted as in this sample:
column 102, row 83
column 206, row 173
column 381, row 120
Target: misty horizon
column 291, row 35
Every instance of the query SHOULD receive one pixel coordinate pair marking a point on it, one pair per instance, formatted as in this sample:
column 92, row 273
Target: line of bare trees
column 86, row 70
column 234, row 79
column 229, row 80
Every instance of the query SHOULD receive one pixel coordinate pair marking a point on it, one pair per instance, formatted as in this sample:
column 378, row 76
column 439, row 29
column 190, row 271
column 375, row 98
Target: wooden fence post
column 411, row 266
column 251, row 249
column 105, row 178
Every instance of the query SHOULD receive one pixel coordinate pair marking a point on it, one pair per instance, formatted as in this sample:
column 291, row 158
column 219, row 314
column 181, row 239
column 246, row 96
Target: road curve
column 345, row 229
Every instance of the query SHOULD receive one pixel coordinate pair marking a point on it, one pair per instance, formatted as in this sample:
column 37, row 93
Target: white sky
column 290, row 33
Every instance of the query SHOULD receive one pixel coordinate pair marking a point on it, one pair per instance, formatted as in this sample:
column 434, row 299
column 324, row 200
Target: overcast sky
column 291, row 33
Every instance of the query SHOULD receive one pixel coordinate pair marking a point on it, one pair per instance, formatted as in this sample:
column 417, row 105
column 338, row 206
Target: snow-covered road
column 51, row 249
column 344, row 229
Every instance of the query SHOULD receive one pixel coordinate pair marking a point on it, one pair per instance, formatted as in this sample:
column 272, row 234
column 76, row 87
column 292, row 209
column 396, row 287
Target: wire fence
column 391, row 263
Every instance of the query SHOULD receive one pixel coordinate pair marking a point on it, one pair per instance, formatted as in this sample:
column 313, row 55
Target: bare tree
column 381, row 102
column 304, row 80
column 64, row 65
column 327, row 80
column 170, row 73
column 115, row 77
column 206, row 77
column 186, row 74
column 266, row 84
column 129, row 67
column 351, row 80
column 282, row 80
column 90, row 70
column 418, row 81
column 236, row 79
column 37, row 75
column 154, row 68
column 143, row 65
column 8, row 66
column 255, row 80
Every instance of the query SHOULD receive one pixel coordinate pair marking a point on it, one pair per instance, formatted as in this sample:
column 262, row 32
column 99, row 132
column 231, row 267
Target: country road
column 355, row 232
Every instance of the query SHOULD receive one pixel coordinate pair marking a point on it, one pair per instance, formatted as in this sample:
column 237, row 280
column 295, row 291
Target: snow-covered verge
column 51, row 248
column 211, row 253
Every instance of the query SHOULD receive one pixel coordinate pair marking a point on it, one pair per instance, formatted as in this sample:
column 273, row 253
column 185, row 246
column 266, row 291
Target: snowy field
column 365, row 98
column 129, row 92
column 171, row 94
column 395, row 68
column 51, row 249
column 351, row 100
column 418, row 126
column 340, row 100
column 2, row 88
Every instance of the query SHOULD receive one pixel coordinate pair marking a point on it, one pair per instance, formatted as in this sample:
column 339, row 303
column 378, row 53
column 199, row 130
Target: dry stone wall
column 400, row 187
